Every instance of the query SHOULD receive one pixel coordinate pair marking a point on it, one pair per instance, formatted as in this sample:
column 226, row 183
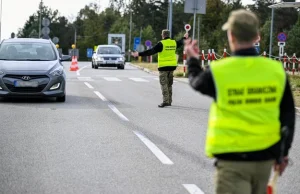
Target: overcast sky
column 16, row 12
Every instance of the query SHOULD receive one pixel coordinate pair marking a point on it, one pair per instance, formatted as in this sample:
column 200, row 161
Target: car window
column 109, row 50
column 27, row 51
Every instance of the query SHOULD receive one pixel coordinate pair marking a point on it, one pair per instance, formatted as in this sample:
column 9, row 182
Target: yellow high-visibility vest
column 168, row 55
column 245, row 116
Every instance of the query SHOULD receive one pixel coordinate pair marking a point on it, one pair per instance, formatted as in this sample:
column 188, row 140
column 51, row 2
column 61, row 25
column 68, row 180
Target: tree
column 58, row 25
column 293, row 40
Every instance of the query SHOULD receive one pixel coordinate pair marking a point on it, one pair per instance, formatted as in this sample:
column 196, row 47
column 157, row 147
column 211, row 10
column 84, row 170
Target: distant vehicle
column 32, row 67
column 108, row 56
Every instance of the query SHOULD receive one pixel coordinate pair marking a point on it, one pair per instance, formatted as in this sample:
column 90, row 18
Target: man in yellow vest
column 167, row 63
column 252, row 102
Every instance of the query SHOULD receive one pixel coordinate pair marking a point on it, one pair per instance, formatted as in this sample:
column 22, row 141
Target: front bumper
column 110, row 63
column 45, row 82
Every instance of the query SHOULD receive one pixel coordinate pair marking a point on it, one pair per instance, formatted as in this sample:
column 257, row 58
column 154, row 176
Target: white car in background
column 108, row 56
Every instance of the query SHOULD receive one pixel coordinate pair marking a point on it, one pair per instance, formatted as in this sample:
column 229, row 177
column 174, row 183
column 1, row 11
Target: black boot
column 163, row 105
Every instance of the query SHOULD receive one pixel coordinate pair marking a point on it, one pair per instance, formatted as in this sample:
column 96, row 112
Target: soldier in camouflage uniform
column 167, row 63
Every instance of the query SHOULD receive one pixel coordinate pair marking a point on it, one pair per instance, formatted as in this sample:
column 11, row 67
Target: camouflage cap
column 243, row 24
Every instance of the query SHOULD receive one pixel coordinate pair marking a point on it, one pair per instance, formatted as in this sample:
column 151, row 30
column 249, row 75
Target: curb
column 297, row 109
column 154, row 72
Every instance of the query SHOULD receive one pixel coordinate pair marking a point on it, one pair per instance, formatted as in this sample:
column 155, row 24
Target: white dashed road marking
column 193, row 189
column 154, row 149
column 112, row 79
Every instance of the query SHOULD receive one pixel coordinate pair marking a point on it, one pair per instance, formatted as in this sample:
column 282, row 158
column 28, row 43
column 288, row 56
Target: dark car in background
column 31, row 68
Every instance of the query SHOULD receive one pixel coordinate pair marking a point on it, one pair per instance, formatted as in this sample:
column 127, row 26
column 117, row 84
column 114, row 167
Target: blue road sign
column 281, row 37
column 89, row 52
column 136, row 42
column 148, row 43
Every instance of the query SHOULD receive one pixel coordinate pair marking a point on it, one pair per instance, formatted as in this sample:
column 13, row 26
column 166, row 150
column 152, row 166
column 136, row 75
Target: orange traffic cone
column 74, row 64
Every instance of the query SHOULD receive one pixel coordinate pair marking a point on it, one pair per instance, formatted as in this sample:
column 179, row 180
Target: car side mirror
column 65, row 58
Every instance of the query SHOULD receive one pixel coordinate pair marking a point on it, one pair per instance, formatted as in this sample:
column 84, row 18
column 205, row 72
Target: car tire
column 61, row 98
column 93, row 65
column 121, row 67
column 96, row 66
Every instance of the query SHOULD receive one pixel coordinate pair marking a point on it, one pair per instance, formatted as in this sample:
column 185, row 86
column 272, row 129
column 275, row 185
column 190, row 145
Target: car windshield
column 109, row 50
column 31, row 51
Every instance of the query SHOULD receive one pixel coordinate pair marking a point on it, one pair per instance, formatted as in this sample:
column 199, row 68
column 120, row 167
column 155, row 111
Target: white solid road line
column 113, row 108
column 100, row 95
column 154, row 149
column 88, row 85
column 78, row 71
column 193, row 189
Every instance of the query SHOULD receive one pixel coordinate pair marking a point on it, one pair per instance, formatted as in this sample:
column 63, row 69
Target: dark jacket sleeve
column 180, row 42
column 201, row 81
column 287, row 115
column 156, row 49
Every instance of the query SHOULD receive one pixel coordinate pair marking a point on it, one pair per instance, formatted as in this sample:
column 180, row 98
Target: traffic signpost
column 136, row 42
column 281, row 43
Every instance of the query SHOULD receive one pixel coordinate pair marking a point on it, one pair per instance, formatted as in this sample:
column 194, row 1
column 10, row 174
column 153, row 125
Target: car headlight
column 55, row 86
column 121, row 58
column 100, row 58
column 1, row 72
column 57, row 72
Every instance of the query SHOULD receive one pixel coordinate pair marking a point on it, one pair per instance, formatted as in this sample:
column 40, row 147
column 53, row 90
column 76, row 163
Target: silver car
column 108, row 56
column 32, row 67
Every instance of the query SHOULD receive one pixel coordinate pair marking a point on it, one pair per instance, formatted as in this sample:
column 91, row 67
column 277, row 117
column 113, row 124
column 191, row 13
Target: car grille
column 110, row 58
column 9, row 78
column 31, row 76
column 12, row 88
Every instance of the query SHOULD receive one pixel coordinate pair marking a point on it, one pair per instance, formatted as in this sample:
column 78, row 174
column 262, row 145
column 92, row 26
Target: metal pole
column 194, row 23
column 199, row 28
column 75, row 36
column 271, row 34
column 168, row 17
column 1, row 20
column 40, row 19
column 170, row 23
column 130, row 28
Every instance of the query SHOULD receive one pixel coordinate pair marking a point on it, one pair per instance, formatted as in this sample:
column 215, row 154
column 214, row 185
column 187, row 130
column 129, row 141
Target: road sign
column 45, row 30
column 136, row 42
column 281, row 37
column 89, row 52
column 187, row 27
column 190, row 6
column 46, row 22
column 140, row 48
column 148, row 43
column 55, row 40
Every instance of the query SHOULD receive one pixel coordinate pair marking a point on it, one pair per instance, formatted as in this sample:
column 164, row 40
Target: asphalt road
column 110, row 137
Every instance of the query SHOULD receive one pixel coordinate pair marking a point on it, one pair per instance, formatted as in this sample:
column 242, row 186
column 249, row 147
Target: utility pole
column 130, row 28
column 0, row 20
column 171, row 13
column 40, row 19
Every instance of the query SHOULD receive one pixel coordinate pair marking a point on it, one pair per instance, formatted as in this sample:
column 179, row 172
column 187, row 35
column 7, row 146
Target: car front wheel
column 61, row 99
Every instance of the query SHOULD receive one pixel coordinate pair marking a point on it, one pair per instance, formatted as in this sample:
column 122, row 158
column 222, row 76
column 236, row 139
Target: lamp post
column 40, row 19
column 0, row 19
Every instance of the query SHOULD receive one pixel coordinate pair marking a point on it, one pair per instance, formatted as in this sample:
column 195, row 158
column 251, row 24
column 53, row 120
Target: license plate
column 26, row 84
column 110, row 62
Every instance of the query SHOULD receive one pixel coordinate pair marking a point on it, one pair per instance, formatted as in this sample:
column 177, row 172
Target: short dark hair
column 165, row 33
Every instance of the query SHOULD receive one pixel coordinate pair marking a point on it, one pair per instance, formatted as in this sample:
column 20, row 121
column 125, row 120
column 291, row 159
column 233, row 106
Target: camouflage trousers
column 166, row 82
